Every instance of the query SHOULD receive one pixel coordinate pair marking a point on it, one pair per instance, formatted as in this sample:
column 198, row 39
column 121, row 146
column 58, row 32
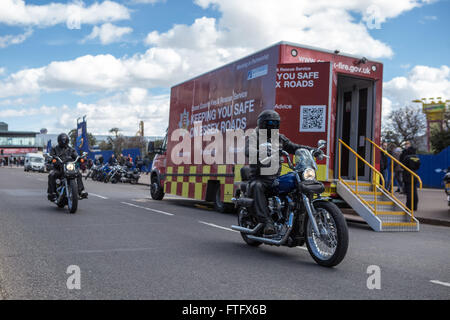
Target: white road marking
column 440, row 282
column 97, row 195
column 303, row 248
column 113, row 250
column 216, row 226
column 148, row 209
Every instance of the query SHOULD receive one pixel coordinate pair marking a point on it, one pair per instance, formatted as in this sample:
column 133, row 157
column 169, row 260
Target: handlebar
column 76, row 160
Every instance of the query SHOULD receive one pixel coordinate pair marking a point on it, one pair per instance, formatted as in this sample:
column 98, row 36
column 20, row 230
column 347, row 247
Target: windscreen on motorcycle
column 304, row 159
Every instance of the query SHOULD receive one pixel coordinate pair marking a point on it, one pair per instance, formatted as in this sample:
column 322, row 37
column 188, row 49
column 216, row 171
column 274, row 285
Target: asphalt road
column 128, row 246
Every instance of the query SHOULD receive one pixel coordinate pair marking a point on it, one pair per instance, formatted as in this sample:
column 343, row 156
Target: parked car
column 34, row 162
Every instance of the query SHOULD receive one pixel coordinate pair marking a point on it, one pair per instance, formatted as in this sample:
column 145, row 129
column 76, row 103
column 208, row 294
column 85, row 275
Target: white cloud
column 322, row 23
column 108, row 33
column 420, row 82
column 8, row 40
column 44, row 110
column 148, row 1
column 18, row 101
column 123, row 110
column 157, row 67
column 18, row 13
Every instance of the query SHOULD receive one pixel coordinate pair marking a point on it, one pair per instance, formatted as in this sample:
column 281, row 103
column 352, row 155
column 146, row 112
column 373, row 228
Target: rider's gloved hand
column 318, row 153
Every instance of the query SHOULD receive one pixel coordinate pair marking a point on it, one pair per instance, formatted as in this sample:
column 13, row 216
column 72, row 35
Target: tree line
column 409, row 124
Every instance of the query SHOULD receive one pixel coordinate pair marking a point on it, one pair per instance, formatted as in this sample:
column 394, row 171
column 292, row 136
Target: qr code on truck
column 312, row 118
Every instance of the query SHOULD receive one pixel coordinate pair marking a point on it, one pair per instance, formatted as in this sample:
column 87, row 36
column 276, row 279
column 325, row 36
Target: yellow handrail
column 374, row 181
column 413, row 174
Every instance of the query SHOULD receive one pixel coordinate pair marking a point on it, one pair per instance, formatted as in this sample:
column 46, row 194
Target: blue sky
column 119, row 65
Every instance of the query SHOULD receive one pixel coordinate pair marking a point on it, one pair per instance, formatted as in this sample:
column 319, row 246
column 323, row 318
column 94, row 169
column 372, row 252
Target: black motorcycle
column 115, row 175
column 133, row 175
column 66, row 185
column 299, row 213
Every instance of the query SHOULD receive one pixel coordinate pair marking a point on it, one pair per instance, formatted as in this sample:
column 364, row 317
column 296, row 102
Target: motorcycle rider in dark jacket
column 112, row 161
column 260, row 184
column 64, row 152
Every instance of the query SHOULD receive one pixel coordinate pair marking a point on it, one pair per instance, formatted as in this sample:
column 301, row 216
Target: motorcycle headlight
column 70, row 167
column 309, row 174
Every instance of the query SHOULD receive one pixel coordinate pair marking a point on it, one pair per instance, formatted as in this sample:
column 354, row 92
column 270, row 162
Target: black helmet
column 63, row 140
column 269, row 119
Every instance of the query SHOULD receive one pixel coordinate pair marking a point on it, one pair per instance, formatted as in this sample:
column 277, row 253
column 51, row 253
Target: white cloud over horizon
column 18, row 13
column 123, row 110
column 420, row 82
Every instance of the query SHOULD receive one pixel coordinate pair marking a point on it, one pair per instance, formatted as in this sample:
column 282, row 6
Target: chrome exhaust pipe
column 247, row 230
column 272, row 241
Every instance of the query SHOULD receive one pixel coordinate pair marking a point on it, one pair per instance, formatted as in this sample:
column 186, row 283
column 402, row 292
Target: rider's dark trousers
column 55, row 174
column 258, row 190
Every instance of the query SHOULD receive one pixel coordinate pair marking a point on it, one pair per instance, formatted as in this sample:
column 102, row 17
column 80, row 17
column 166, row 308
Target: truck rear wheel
column 156, row 191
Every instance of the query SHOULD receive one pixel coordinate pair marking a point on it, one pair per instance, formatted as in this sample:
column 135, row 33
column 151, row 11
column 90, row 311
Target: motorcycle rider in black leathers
column 261, row 185
column 64, row 152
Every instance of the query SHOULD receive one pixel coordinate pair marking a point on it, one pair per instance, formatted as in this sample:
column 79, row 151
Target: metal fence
column 432, row 168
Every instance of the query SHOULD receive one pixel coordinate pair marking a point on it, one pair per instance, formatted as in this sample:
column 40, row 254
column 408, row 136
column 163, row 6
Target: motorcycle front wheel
column 330, row 248
column 72, row 196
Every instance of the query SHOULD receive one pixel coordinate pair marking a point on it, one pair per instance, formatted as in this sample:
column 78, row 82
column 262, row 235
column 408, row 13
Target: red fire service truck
column 319, row 94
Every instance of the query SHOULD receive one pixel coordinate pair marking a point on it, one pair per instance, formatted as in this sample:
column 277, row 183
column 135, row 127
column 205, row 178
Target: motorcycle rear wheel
column 246, row 220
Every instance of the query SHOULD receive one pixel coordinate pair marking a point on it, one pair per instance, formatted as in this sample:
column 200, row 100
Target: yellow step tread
column 360, row 183
column 370, row 192
column 386, row 203
column 399, row 224
column 393, row 213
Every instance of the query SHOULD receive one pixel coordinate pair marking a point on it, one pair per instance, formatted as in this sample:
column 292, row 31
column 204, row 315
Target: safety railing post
column 340, row 146
column 392, row 177
column 375, row 194
column 356, row 174
column 373, row 164
column 412, row 196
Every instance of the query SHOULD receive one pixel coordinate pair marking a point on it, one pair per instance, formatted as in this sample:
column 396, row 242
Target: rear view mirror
column 321, row 144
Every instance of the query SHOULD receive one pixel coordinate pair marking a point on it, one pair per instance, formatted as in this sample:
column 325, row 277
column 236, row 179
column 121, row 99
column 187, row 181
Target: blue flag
column 49, row 146
column 82, row 143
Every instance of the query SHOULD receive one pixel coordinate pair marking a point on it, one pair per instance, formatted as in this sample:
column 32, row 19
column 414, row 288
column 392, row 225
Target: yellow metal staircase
column 379, row 207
